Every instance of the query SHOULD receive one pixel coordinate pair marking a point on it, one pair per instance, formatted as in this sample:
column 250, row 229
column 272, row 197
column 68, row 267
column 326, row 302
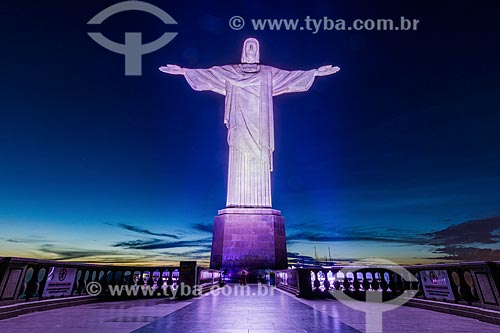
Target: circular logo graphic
column 236, row 22
column 93, row 288
column 62, row 274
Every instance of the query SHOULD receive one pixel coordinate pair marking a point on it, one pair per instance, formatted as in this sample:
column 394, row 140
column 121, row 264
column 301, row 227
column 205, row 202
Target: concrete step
column 486, row 315
column 17, row 309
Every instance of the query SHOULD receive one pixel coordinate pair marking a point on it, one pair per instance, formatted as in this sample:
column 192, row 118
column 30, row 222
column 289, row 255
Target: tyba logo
column 133, row 49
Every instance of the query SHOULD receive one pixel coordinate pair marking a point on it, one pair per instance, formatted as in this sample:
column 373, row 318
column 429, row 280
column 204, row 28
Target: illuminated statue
column 249, row 88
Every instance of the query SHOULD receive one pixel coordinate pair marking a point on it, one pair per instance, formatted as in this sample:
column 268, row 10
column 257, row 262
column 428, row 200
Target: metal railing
column 24, row 280
column 470, row 283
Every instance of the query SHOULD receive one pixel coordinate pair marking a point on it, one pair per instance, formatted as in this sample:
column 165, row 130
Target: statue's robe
column 249, row 89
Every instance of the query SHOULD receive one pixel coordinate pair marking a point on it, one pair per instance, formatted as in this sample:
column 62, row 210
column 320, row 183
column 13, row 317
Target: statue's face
column 250, row 51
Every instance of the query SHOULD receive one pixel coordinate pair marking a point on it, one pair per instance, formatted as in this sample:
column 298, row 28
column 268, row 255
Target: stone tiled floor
column 257, row 310
column 225, row 312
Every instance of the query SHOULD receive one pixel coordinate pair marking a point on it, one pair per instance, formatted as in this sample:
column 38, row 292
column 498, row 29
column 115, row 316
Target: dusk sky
column 396, row 157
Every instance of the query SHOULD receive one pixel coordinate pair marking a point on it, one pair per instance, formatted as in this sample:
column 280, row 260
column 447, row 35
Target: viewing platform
column 252, row 309
column 75, row 297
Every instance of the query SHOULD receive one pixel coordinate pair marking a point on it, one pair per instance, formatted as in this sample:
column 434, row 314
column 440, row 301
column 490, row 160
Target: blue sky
column 380, row 160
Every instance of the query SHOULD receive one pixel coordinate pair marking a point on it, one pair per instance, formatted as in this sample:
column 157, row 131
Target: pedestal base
column 250, row 239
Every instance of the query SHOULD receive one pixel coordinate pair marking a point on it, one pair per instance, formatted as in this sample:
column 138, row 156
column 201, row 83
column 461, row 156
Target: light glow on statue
column 249, row 88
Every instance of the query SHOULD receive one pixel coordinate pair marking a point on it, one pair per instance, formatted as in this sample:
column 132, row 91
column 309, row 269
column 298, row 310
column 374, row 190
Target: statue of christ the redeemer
column 249, row 88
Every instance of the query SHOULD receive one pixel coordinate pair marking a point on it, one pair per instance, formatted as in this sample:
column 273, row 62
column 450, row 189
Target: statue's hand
column 327, row 70
column 172, row 69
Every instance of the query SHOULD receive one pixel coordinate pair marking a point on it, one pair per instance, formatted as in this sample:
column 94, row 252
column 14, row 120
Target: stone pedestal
column 249, row 238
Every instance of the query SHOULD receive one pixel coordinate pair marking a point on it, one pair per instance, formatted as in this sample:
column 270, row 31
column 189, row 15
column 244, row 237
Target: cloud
column 483, row 231
column 10, row 240
column 120, row 256
column 294, row 257
column 65, row 253
column 198, row 254
column 460, row 241
column 145, row 231
column 138, row 243
column 202, row 250
column 318, row 237
column 27, row 239
column 468, row 253
column 357, row 234
column 205, row 227
column 473, row 232
column 155, row 244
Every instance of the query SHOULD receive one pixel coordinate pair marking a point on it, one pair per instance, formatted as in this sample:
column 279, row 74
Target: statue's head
column 250, row 54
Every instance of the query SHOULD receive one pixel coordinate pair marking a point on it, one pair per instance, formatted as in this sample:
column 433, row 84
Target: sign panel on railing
column 436, row 285
column 59, row 282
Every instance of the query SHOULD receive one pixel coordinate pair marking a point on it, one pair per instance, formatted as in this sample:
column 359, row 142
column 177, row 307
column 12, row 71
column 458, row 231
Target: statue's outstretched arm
column 172, row 69
column 326, row 70
column 201, row 79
